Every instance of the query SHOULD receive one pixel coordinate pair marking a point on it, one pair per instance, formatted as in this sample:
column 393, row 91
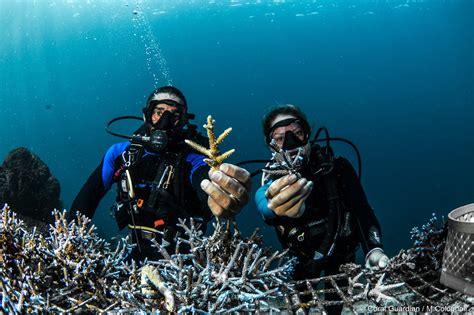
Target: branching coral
column 73, row 270
column 214, row 159
column 282, row 162
column 222, row 273
column 68, row 267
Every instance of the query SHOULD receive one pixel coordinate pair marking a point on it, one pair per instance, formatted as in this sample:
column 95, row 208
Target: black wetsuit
column 304, row 236
column 182, row 199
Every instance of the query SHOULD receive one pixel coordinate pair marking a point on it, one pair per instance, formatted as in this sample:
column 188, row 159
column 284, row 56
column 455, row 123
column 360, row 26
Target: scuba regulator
column 163, row 134
column 157, row 141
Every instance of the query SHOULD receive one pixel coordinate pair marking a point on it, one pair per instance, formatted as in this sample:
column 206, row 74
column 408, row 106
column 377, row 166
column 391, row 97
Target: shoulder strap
column 131, row 155
column 128, row 158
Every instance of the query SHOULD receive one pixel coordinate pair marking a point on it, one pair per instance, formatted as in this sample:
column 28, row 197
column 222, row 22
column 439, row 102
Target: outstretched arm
column 98, row 183
column 89, row 196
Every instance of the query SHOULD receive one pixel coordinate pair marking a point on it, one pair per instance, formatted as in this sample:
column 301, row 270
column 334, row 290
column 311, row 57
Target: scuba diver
column 160, row 179
column 315, row 200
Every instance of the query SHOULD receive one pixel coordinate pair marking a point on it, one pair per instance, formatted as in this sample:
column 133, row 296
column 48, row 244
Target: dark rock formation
column 28, row 187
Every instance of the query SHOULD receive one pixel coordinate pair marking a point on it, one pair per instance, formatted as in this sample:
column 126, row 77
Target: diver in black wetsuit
column 160, row 179
column 321, row 214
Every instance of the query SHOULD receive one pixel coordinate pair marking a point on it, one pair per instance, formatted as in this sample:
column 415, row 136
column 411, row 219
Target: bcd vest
column 327, row 220
column 151, row 187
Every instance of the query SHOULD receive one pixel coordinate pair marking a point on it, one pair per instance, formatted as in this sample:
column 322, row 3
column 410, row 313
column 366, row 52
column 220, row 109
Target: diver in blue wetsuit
column 160, row 179
column 321, row 214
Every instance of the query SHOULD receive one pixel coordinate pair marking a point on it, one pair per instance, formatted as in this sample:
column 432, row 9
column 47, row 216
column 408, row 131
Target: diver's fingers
column 294, row 207
column 297, row 190
column 238, row 173
column 223, row 199
column 217, row 210
column 278, row 185
column 297, row 210
column 231, row 186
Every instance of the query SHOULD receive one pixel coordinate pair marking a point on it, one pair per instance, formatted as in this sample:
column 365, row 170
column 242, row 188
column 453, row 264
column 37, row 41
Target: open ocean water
column 395, row 77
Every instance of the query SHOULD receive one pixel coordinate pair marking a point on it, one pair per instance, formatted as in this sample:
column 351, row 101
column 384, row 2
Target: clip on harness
column 129, row 157
column 161, row 183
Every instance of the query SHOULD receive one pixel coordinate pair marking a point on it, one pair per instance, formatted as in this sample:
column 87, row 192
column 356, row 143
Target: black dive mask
column 292, row 141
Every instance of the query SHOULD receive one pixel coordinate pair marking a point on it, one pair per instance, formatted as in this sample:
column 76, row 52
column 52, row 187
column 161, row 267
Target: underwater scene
column 393, row 80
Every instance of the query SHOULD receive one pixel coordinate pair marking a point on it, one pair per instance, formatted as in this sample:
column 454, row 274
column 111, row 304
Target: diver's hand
column 228, row 190
column 376, row 259
column 286, row 195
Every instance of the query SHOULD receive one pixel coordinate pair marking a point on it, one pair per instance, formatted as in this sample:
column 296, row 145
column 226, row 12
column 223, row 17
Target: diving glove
column 376, row 258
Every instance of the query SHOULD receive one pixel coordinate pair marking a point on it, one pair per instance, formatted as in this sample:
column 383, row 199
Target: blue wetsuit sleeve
column 196, row 161
column 108, row 164
column 261, row 201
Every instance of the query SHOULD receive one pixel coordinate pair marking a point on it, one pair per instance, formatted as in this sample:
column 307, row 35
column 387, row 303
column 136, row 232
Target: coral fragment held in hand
column 214, row 159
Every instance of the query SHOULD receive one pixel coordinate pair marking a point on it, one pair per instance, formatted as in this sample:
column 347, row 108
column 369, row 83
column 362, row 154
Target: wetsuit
column 304, row 235
column 183, row 198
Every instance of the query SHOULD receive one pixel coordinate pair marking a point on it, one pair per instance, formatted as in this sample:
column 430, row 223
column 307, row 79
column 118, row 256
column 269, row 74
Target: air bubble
column 156, row 62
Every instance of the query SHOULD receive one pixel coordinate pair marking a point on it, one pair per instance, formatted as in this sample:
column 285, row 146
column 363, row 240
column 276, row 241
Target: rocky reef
column 27, row 185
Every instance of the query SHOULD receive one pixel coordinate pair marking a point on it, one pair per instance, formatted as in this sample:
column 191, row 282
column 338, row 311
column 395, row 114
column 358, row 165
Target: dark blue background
column 395, row 77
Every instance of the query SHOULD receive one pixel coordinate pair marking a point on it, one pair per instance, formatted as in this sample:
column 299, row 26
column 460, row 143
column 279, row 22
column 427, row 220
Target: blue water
column 395, row 77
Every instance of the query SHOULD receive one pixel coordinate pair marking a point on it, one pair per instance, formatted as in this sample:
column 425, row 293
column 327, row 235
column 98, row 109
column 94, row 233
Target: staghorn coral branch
column 214, row 160
column 210, row 134
column 223, row 135
column 224, row 156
